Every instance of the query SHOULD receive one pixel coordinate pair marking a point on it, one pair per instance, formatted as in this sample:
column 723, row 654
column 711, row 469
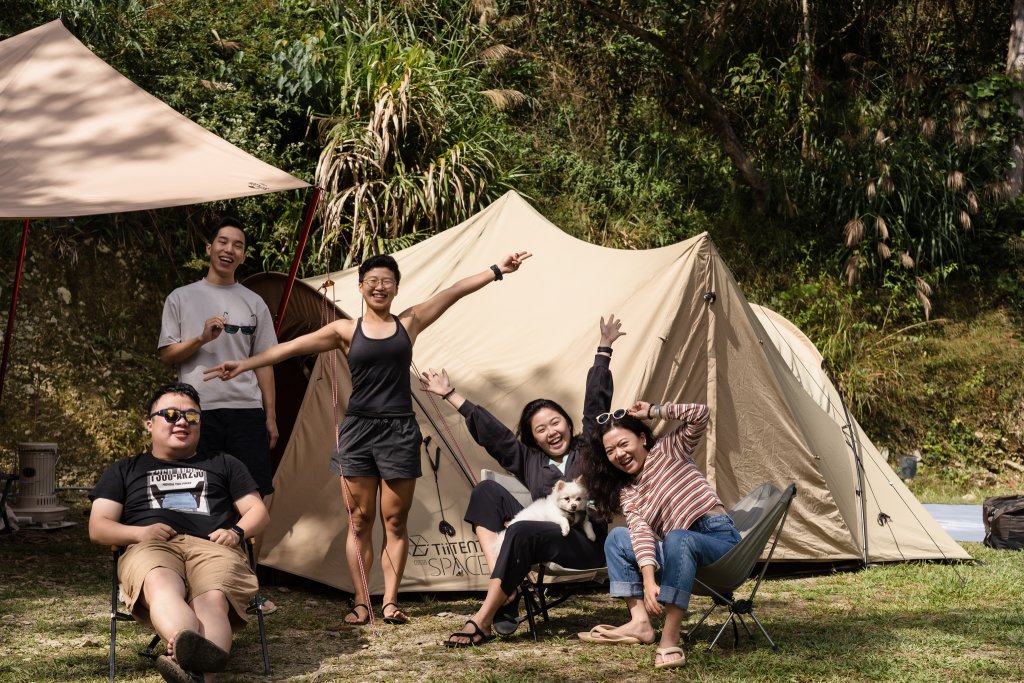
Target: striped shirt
column 669, row 493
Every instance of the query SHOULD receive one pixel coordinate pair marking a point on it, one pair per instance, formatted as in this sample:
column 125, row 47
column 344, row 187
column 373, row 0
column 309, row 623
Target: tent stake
column 14, row 307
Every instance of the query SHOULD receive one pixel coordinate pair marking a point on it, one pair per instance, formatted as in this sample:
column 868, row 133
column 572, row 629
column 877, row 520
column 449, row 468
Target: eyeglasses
column 617, row 415
column 172, row 415
column 385, row 282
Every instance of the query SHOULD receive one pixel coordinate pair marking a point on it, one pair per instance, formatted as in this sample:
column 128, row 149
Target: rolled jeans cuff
column 625, row 589
column 669, row 595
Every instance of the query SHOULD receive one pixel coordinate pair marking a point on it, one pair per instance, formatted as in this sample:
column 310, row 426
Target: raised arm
column 336, row 335
column 681, row 441
column 498, row 440
column 598, row 396
column 422, row 315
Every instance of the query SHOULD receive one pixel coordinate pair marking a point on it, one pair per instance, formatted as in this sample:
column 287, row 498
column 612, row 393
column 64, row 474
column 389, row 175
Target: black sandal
column 476, row 637
column 396, row 617
column 358, row 622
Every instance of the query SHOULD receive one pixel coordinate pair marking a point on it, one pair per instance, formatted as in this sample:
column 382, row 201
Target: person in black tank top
column 378, row 438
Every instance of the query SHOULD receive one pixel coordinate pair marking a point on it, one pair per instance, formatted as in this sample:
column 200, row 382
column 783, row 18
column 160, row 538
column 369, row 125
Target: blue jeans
column 679, row 556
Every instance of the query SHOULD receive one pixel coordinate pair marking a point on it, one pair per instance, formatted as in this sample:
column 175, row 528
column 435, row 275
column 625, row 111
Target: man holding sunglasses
column 218, row 319
column 184, row 517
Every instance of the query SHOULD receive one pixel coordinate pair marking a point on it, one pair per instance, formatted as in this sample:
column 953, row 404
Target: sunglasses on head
column 615, row 415
column 172, row 415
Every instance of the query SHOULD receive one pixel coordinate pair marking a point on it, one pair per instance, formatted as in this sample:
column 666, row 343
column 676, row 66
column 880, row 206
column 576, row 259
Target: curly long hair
column 604, row 480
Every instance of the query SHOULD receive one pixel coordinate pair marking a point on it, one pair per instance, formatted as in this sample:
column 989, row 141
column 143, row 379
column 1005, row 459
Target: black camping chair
column 759, row 518
column 116, row 615
column 549, row 584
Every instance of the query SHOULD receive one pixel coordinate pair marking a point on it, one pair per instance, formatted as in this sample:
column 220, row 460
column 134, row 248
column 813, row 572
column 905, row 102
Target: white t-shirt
column 186, row 311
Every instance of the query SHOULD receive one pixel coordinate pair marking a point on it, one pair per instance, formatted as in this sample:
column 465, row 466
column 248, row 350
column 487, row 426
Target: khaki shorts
column 203, row 565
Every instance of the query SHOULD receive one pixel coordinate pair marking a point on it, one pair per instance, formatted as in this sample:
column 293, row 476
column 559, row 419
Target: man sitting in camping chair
column 184, row 518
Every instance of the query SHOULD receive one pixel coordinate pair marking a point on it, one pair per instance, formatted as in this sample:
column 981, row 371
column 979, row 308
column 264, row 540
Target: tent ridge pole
column 9, row 332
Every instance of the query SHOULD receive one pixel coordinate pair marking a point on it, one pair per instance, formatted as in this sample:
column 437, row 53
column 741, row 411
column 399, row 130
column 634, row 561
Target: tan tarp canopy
column 691, row 337
column 78, row 138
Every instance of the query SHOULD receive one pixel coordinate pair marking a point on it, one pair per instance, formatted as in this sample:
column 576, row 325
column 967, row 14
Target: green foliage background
column 876, row 217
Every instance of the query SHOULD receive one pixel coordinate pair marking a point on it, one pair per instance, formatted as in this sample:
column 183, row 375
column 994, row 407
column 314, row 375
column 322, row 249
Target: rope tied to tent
column 454, row 447
column 328, row 315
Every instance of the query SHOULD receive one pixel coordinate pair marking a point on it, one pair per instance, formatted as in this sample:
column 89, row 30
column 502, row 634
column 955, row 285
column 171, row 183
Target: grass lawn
column 909, row 622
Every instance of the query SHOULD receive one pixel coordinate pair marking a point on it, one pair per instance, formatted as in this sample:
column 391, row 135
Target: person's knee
column 362, row 522
column 211, row 601
column 162, row 583
column 617, row 540
column 396, row 523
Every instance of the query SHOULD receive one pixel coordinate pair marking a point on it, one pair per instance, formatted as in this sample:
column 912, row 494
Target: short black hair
column 525, row 430
column 380, row 261
column 175, row 388
column 226, row 222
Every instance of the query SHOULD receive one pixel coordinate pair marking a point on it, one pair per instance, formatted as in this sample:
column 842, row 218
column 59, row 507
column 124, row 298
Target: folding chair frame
column 116, row 615
column 535, row 593
column 738, row 608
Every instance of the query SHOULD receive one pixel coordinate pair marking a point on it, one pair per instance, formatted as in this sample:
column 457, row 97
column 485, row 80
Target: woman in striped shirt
column 675, row 520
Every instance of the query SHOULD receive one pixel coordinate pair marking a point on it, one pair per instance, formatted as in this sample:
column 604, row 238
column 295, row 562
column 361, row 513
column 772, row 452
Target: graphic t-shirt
column 194, row 496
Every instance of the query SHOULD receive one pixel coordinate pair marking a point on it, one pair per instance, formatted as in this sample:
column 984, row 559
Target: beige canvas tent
column 691, row 337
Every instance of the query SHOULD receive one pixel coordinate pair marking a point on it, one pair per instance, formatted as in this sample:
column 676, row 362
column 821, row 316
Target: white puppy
column 565, row 506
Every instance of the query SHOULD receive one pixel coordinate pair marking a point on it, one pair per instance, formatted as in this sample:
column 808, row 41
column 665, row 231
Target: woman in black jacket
column 543, row 450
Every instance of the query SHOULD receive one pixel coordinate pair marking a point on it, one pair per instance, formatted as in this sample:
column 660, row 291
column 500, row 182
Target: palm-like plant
column 411, row 143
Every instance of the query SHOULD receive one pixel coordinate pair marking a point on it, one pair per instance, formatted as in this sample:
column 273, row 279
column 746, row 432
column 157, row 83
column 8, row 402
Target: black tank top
column 380, row 374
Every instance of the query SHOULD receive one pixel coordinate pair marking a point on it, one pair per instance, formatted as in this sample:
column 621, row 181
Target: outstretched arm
column 328, row 337
column 422, row 315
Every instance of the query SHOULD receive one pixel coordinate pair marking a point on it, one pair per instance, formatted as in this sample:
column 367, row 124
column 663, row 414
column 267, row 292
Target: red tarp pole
column 14, row 307
column 296, row 259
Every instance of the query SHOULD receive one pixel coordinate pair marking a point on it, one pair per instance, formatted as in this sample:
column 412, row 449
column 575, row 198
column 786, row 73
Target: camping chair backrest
column 510, row 484
column 756, row 517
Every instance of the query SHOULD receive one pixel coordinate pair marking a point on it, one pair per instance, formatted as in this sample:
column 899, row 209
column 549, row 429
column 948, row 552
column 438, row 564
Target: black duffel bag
column 1004, row 522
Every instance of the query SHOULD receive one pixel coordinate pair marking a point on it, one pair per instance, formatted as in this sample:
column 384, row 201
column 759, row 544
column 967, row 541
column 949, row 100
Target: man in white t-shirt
column 214, row 320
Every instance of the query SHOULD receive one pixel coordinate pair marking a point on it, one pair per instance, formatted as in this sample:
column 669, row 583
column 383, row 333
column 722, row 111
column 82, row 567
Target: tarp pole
column 307, row 223
column 14, row 307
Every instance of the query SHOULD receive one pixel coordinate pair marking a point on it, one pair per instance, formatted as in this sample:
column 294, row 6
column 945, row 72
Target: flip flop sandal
column 476, row 637
column 172, row 672
column 396, row 617
column 358, row 622
column 598, row 635
column 195, row 653
column 675, row 663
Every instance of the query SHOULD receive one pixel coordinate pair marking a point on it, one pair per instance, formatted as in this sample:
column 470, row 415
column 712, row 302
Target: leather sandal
column 358, row 622
column 396, row 617
column 476, row 637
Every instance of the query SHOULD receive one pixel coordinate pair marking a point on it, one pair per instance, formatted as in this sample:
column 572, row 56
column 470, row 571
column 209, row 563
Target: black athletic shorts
column 383, row 447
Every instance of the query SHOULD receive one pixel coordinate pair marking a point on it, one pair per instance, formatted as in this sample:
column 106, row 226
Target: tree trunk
column 698, row 89
column 1015, row 70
